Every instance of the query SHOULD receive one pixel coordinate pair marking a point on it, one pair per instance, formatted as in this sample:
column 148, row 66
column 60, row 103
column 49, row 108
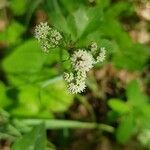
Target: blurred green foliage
column 33, row 86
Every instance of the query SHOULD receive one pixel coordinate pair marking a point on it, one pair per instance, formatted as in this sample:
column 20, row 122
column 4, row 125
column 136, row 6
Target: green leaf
column 126, row 129
column 56, row 16
column 28, row 101
column 26, row 58
column 56, row 102
column 133, row 57
column 94, row 17
column 34, row 140
column 134, row 94
column 81, row 20
column 13, row 33
column 119, row 106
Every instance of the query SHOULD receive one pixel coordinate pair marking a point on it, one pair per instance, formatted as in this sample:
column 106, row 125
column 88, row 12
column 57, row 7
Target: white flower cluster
column 76, row 81
column 48, row 37
column 82, row 61
column 42, row 31
column 93, row 47
column 101, row 56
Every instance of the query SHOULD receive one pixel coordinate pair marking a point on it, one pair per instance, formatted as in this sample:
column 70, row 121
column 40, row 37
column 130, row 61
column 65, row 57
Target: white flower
column 45, row 46
column 42, row 31
column 82, row 61
column 75, row 88
column 93, row 47
column 80, row 76
column 68, row 77
column 76, row 81
column 55, row 37
column 101, row 56
column 47, row 37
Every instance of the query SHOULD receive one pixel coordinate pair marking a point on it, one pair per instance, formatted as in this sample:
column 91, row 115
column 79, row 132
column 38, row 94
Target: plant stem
column 58, row 124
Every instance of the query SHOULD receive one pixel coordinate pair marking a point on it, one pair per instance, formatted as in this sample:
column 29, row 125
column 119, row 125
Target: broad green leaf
column 119, row 106
column 95, row 16
column 13, row 33
column 56, row 102
column 126, row 129
column 132, row 58
column 28, row 101
column 26, row 58
column 56, row 16
column 144, row 116
column 34, row 140
column 81, row 20
column 112, row 29
column 135, row 95
column 91, row 18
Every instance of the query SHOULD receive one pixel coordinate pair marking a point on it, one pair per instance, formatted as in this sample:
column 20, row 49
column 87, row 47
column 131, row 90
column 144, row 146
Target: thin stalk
column 62, row 124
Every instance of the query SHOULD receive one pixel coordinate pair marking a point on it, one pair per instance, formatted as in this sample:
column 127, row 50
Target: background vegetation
column 36, row 110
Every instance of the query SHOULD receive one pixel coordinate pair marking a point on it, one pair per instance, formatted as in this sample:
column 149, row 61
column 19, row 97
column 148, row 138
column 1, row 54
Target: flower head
column 101, row 56
column 45, row 46
column 55, row 37
column 47, row 37
column 68, row 77
column 75, row 88
column 93, row 47
column 42, row 31
column 82, row 61
column 80, row 76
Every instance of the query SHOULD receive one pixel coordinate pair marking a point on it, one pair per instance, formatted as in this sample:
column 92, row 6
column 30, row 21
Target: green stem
column 58, row 124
